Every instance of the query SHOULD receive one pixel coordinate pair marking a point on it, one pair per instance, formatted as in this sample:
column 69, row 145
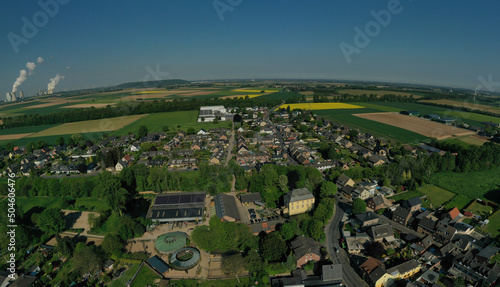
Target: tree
column 51, row 221
column 88, row 259
column 273, row 247
column 111, row 243
column 165, row 129
column 191, row 131
column 65, row 245
column 60, row 141
column 232, row 264
column 143, row 131
column 328, row 189
column 288, row 230
column 283, row 183
column 117, row 199
column 358, row 206
column 375, row 249
column 216, row 121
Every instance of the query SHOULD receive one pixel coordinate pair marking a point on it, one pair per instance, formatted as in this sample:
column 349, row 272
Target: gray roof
column 225, row 205
column 488, row 252
column 381, row 231
column 304, row 245
column 430, row 276
column 402, row 212
column 158, row 264
column 298, row 195
column 343, row 179
column 376, row 274
column 332, row 272
column 250, row 197
column 378, row 200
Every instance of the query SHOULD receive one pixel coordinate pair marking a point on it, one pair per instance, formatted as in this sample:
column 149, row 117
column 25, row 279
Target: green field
column 25, row 130
column 155, row 122
column 458, row 201
column 479, row 209
column 436, row 196
column 476, row 184
column 122, row 281
column 493, row 226
column 345, row 116
column 145, row 277
column 110, row 225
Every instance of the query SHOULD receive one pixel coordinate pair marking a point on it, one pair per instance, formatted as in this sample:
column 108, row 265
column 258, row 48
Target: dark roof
column 171, row 213
column 180, row 198
column 404, row 267
column 158, row 264
column 304, row 245
column 343, row 179
column 366, row 216
column 251, row 197
column 402, row 212
column 225, row 205
column 414, row 201
column 427, row 223
column 298, row 194
column 376, row 274
column 488, row 252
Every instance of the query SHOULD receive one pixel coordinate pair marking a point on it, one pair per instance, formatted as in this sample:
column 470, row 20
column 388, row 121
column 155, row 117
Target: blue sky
column 98, row 43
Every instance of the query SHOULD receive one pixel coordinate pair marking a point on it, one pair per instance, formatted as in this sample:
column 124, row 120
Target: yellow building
column 299, row 201
column 382, row 278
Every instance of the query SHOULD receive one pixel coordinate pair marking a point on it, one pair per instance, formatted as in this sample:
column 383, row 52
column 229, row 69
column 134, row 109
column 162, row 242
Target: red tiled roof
column 454, row 213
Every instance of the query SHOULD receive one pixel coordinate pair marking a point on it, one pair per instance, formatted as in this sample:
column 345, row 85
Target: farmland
column 424, row 127
column 320, row 106
column 379, row 93
column 458, row 201
column 473, row 106
column 104, row 125
column 379, row 129
column 479, row 209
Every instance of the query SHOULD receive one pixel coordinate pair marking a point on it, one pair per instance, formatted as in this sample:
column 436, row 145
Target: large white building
column 208, row 113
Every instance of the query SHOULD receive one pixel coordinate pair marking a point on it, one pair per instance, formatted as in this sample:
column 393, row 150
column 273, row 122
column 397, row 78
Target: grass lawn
column 479, row 209
column 110, row 225
column 91, row 203
column 27, row 203
column 145, row 277
column 155, row 122
column 406, row 195
column 51, row 139
column 211, row 283
column 458, row 201
column 474, row 184
column 493, row 226
column 436, row 196
column 122, row 281
column 320, row 106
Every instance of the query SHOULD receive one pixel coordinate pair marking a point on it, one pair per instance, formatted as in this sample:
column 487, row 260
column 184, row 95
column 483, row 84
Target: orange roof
column 454, row 213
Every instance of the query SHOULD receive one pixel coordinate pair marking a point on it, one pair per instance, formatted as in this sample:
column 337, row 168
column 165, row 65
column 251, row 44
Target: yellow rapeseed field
column 320, row 106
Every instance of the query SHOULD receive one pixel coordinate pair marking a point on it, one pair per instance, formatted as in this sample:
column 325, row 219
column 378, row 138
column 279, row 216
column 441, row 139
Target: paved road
column 351, row 278
column 230, row 148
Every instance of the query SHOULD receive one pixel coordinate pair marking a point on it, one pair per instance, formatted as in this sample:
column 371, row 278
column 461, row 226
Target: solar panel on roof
column 198, row 198
column 185, row 198
column 173, row 199
column 161, row 199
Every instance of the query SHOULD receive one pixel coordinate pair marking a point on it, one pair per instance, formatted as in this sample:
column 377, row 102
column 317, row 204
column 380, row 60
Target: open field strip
column 102, row 125
column 53, row 103
column 379, row 93
column 478, row 107
column 424, row 127
column 471, row 116
column 14, row 136
column 320, row 106
column 256, row 91
column 472, row 140
column 79, row 106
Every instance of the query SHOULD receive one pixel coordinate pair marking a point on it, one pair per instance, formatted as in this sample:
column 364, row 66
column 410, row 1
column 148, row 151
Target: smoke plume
column 23, row 75
column 31, row 67
column 53, row 82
